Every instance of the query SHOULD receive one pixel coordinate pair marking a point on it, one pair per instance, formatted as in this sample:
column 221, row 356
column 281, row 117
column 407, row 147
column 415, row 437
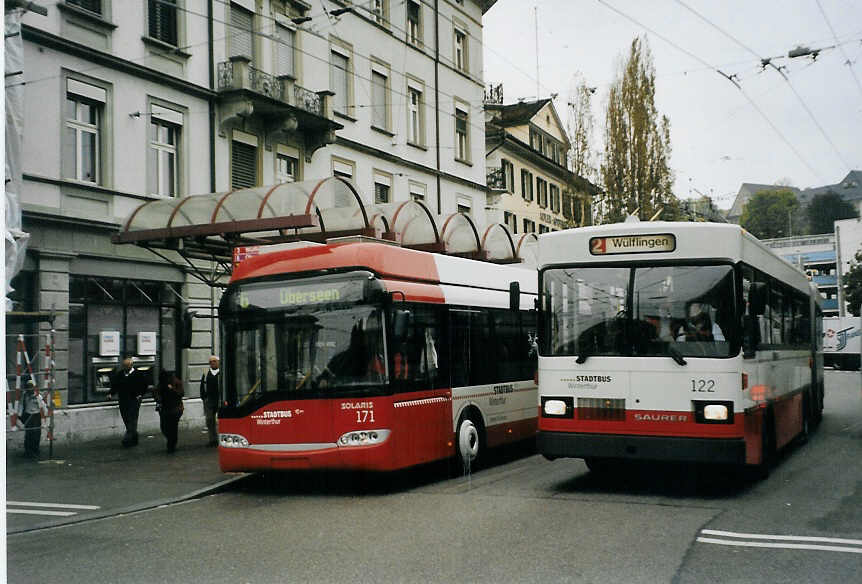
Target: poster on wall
column 146, row 343
column 109, row 343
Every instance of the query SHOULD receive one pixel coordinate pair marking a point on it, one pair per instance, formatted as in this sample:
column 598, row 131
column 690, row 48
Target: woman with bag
column 169, row 399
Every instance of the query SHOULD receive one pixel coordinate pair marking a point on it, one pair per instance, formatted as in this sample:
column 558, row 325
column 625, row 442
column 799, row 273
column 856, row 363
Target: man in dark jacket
column 210, row 398
column 128, row 386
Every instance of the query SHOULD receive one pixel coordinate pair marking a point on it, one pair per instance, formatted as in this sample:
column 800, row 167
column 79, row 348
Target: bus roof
column 663, row 241
column 389, row 261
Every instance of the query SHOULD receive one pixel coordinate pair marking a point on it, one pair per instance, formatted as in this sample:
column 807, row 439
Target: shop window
column 144, row 316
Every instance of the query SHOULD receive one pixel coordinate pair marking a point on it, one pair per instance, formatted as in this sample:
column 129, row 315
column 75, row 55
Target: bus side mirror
column 187, row 328
column 750, row 334
column 514, row 296
column 400, row 324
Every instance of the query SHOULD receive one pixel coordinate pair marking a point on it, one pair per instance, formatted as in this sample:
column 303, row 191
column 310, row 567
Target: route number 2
column 703, row 385
column 363, row 416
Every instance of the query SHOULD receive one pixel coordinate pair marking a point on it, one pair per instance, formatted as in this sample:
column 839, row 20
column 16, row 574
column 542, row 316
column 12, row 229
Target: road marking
column 52, row 505
column 41, row 512
column 781, row 537
column 852, row 546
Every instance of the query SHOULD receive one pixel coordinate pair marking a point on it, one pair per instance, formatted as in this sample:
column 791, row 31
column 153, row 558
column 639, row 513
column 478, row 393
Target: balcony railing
column 496, row 179
column 239, row 74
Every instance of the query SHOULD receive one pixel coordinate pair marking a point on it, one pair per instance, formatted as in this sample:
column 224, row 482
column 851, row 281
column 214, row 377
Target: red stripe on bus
column 648, row 423
column 386, row 260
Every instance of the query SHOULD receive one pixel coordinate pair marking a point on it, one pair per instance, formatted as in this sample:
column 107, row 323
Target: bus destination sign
column 288, row 295
column 617, row 244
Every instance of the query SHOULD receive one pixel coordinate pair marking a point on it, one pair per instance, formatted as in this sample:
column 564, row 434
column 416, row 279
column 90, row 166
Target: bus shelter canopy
column 210, row 226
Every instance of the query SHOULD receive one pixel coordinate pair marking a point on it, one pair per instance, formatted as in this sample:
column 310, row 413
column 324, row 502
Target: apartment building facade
column 531, row 189
column 129, row 102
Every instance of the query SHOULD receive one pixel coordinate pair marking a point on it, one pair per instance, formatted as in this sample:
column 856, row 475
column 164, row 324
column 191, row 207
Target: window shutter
column 241, row 35
column 378, row 91
column 285, row 51
column 163, row 20
column 243, row 165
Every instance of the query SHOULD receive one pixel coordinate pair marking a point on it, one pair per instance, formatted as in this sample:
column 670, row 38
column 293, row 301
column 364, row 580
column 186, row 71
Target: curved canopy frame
column 210, row 226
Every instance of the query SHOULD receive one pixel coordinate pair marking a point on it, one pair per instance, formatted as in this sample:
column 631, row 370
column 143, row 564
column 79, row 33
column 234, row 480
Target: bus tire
column 768, row 452
column 469, row 440
column 805, row 431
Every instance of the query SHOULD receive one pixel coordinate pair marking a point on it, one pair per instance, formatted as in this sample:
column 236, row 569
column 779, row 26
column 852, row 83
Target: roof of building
column 517, row 114
column 850, row 189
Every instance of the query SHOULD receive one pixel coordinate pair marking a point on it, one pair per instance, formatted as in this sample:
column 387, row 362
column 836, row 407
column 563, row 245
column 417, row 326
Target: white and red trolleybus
column 676, row 342
column 368, row 356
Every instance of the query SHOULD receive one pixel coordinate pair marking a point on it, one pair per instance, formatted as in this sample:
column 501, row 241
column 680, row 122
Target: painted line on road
column 790, row 546
column 51, row 505
column 42, row 512
column 782, row 537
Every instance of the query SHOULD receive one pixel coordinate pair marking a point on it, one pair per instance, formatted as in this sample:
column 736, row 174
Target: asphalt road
column 519, row 518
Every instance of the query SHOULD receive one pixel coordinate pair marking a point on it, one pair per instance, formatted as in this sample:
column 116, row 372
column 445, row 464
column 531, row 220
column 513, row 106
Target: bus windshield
column 312, row 353
column 662, row 310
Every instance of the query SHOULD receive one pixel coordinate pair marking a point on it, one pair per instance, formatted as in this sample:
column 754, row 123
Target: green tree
column 635, row 169
column 852, row 284
column 769, row 214
column 826, row 208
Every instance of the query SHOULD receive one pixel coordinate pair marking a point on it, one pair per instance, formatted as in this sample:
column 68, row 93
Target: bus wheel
column 469, row 441
column 767, row 444
column 805, row 431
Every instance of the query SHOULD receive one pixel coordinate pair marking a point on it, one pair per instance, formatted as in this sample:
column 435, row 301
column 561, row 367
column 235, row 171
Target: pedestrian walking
column 210, row 398
column 128, row 386
column 169, row 403
column 32, row 405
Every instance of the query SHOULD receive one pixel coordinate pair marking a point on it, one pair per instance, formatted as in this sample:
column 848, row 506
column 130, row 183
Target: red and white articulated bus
column 687, row 342
column 368, row 356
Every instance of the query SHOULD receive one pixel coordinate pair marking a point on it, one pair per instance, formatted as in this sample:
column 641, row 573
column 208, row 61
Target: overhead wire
column 730, row 78
column 767, row 61
column 843, row 52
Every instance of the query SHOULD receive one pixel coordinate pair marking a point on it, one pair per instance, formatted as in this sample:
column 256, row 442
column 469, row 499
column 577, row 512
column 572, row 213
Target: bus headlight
column 555, row 407
column 715, row 412
column 232, row 441
column 710, row 412
column 363, row 438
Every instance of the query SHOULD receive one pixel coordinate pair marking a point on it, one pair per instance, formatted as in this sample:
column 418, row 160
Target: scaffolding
column 26, row 367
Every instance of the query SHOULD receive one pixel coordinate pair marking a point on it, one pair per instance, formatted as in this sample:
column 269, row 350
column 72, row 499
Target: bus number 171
column 364, row 416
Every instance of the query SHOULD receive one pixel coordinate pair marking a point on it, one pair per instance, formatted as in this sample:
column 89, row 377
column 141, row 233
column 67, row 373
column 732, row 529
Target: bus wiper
column 582, row 357
column 676, row 355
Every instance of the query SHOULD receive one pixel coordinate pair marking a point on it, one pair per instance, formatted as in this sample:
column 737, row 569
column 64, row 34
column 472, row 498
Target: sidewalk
column 100, row 478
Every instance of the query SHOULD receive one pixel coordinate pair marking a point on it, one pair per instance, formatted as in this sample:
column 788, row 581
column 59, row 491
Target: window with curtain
column 339, row 81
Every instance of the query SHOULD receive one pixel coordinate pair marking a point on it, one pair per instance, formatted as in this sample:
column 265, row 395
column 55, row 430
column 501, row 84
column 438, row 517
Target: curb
column 197, row 494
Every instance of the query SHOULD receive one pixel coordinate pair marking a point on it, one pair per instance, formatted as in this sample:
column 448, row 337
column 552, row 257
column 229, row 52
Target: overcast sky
column 718, row 137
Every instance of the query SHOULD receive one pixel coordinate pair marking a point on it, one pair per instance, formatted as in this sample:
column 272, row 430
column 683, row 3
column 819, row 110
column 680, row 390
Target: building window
column 555, row 198
column 242, row 32
column 461, row 50
column 508, row 174
column 543, row 229
column 286, row 168
column 526, row 185
column 417, row 191
column 162, row 16
column 462, row 142
column 416, row 116
column 243, row 161
column 285, row 51
column 128, row 307
column 379, row 100
column 94, row 6
column 82, row 132
column 382, row 187
column 529, row 226
column 541, row 192
column 339, row 81
column 380, row 11
column 414, row 22
column 164, row 139
column 511, row 221
column 464, row 205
